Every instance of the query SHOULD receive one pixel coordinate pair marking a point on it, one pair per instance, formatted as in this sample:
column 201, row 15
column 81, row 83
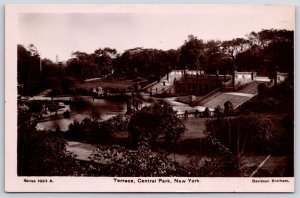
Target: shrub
column 153, row 121
column 228, row 108
column 246, row 133
column 123, row 162
column 66, row 114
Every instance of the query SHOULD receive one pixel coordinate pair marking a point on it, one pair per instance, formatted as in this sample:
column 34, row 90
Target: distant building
column 198, row 83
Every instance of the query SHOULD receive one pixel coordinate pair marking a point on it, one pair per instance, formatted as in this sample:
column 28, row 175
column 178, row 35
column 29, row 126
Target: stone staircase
column 166, row 82
column 237, row 98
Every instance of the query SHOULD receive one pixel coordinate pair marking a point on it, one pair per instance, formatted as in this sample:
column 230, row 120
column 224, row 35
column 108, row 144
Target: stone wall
column 281, row 77
column 242, row 78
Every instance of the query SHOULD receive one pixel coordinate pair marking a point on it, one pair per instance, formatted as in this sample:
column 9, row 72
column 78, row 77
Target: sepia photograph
column 159, row 98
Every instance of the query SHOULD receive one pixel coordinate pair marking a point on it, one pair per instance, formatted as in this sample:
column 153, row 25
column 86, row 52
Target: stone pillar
column 275, row 78
column 233, row 79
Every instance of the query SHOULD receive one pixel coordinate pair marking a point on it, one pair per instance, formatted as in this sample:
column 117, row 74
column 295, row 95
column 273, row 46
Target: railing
column 149, row 86
column 249, row 99
column 164, row 91
column 168, row 88
column 200, row 100
column 199, row 114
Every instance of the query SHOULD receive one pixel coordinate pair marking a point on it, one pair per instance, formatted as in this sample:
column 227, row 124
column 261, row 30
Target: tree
column 34, row 73
column 218, row 111
column 104, row 58
column 50, row 75
column 29, row 73
column 213, row 57
column 192, row 53
column 261, row 88
column 155, row 121
column 228, row 108
column 251, row 60
column 206, row 112
column 23, row 62
column 90, row 129
column 82, row 69
column 148, row 63
column 122, row 162
column 82, row 56
column 40, row 153
column 232, row 49
column 67, row 83
column 275, row 49
column 220, row 163
column 243, row 135
column 172, row 58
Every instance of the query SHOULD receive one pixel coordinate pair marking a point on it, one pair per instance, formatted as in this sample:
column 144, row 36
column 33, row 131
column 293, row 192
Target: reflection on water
column 104, row 109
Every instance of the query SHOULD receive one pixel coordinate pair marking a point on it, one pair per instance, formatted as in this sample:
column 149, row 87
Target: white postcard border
column 14, row 183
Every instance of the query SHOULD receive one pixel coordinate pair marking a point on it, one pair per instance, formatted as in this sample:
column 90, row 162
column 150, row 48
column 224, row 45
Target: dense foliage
column 243, row 134
column 42, row 153
column 153, row 123
column 142, row 162
column 230, row 137
column 94, row 130
column 263, row 52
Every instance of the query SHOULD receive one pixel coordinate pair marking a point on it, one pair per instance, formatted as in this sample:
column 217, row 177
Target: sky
column 165, row 27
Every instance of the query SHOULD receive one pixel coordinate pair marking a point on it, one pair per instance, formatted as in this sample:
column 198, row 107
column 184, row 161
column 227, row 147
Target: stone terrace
column 234, row 97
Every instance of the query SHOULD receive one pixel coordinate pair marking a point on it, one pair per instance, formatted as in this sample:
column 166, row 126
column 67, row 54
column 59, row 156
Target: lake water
column 102, row 108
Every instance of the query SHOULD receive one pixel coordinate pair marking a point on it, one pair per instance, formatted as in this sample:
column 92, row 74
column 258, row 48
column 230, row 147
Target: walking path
column 81, row 150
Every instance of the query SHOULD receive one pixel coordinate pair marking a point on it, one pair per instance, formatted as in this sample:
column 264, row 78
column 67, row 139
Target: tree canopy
column 153, row 123
column 264, row 52
column 243, row 134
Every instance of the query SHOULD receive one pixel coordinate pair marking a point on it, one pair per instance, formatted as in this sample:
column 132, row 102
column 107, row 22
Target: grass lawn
column 105, row 83
column 195, row 128
column 275, row 165
column 277, row 118
column 193, row 144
